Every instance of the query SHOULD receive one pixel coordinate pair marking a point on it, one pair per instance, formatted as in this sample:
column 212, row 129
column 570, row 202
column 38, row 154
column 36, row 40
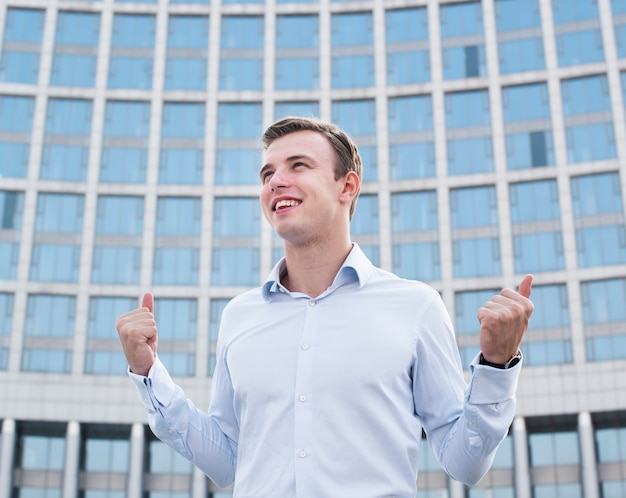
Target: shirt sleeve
column 464, row 423
column 177, row 422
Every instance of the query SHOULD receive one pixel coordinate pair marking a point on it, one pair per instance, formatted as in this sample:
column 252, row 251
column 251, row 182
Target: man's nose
column 278, row 179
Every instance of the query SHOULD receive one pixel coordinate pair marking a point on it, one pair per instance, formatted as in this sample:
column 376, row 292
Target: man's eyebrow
column 289, row 159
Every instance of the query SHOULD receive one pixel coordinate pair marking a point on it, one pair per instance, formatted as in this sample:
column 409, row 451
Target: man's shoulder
column 382, row 279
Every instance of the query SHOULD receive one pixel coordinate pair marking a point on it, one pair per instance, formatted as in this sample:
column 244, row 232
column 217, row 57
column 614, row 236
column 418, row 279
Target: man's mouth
column 285, row 204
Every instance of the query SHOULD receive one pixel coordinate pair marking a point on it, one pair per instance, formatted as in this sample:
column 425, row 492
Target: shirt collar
column 356, row 267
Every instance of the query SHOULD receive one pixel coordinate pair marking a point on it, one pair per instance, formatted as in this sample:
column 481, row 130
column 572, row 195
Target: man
column 328, row 373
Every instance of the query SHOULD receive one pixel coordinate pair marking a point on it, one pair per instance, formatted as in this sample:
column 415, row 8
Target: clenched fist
column 138, row 335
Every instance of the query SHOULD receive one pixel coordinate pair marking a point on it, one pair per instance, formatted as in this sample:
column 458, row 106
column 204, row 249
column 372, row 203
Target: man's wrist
column 511, row 362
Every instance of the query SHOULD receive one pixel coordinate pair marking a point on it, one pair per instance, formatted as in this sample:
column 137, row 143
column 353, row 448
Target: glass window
column 296, row 108
column 599, row 220
column 476, row 253
column 182, row 143
column 297, row 52
column 177, row 247
column 16, row 121
column 352, row 40
column 414, row 224
column 11, row 211
column 177, row 319
column 611, row 451
column 132, row 45
column 66, row 141
column 241, row 53
column 238, row 157
column 56, row 247
column 603, row 316
column 6, row 325
column 125, row 142
column 463, row 51
column 364, row 226
column 117, row 260
column 236, row 242
column 21, row 45
column 564, row 11
column 408, row 58
column 75, row 49
column 103, row 355
column 48, row 333
column 588, row 120
column 187, row 46
column 580, row 47
column 358, row 118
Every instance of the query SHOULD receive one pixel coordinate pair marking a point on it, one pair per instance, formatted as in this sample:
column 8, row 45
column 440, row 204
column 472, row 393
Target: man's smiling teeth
column 286, row 203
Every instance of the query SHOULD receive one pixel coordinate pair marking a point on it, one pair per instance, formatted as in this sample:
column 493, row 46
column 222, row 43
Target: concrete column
column 135, row 470
column 522, row 465
column 6, row 457
column 457, row 490
column 72, row 460
column 588, row 456
column 199, row 484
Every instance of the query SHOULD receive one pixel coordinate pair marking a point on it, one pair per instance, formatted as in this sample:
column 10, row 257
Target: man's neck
column 311, row 270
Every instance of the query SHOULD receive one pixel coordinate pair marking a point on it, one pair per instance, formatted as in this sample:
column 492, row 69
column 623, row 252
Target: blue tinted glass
column 620, row 40
column 296, row 108
column 73, row 70
column 22, row 44
column 59, row 213
column 107, row 455
column 241, row 74
column 236, row 216
column 297, row 32
column 479, row 257
column 11, row 210
column 403, row 25
column 123, row 165
column 185, row 74
column 585, row 95
column 132, row 30
column 15, row 159
column 410, row 114
column 64, row 162
column 130, row 72
column 101, row 309
column 184, row 120
column 6, row 313
column 352, row 71
column 352, row 29
column 470, row 155
column 46, row 360
column 175, row 266
column 24, row 25
column 16, row 113
column 596, row 194
column 119, row 215
column 519, row 55
column 618, row 6
column 411, row 160
column 565, row 11
column 603, row 301
column 551, row 307
column 580, row 47
column 592, row 142
column 242, row 32
column 357, row 117
column 365, row 219
column 370, row 163
column 50, row 315
column 9, row 252
column 237, row 166
column 468, row 61
column 187, row 32
column 466, row 304
column 459, row 19
column 42, row 452
column 417, row 261
column 127, row 119
column 181, row 166
column 534, row 201
column 54, row 263
column 178, row 216
column 239, row 120
column 116, row 265
column 235, row 266
column 556, row 352
column 414, row 211
column 19, row 67
column 164, row 460
column 177, row 318
column 105, row 363
column 77, row 28
column 601, row 245
column 297, row 73
column 611, row 444
column 517, row 14
column 68, row 117
column 525, row 102
column 554, row 449
column 529, row 149
column 465, row 109
column 408, row 67
column 473, row 206
column 537, row 252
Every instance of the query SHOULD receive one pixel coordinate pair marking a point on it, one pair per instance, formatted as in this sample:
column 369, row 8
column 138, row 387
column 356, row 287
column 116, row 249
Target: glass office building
column 494, row 139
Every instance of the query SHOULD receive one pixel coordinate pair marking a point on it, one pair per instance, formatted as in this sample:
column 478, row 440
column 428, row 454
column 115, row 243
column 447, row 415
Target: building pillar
column 135, row 469
column 588, row 456
column 198, row 484
column 72, row 460
column 7, row 451
column 522, row 462
column 457, row 490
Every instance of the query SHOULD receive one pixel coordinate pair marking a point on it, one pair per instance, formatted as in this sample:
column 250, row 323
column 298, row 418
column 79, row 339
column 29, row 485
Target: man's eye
column 266, row 176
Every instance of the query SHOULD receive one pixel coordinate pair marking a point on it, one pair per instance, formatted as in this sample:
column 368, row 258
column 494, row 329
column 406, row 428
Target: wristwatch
column 513, row 360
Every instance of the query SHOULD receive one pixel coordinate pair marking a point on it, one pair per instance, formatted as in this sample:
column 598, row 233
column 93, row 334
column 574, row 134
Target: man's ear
column 351, row 186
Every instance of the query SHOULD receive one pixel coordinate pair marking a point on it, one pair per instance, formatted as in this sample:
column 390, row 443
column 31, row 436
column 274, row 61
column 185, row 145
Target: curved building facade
column 493, row 135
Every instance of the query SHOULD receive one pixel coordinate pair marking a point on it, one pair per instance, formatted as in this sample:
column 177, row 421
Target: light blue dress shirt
column 327, row 396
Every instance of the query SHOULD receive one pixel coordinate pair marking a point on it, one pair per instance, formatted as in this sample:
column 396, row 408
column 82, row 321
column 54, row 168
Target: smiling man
column 329, row 372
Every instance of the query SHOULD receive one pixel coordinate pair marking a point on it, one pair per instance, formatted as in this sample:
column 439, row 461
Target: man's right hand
column 138, row 335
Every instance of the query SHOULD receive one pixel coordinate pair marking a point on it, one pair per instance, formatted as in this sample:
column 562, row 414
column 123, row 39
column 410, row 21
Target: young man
column 327, row 374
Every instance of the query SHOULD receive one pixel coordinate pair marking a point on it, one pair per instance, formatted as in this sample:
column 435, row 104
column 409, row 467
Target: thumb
column 148, row 301
column 525, row 286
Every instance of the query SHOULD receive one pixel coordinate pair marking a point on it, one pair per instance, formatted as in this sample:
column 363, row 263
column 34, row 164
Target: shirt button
column 302, row 397
column 302, row 454
column 312, row 302
column 304, row 347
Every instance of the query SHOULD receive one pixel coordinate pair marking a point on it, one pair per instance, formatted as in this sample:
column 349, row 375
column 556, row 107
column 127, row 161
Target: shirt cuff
column 157, row 388
column 492, row 385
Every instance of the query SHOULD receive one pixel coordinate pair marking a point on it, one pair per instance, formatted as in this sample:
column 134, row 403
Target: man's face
column 300, row 196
